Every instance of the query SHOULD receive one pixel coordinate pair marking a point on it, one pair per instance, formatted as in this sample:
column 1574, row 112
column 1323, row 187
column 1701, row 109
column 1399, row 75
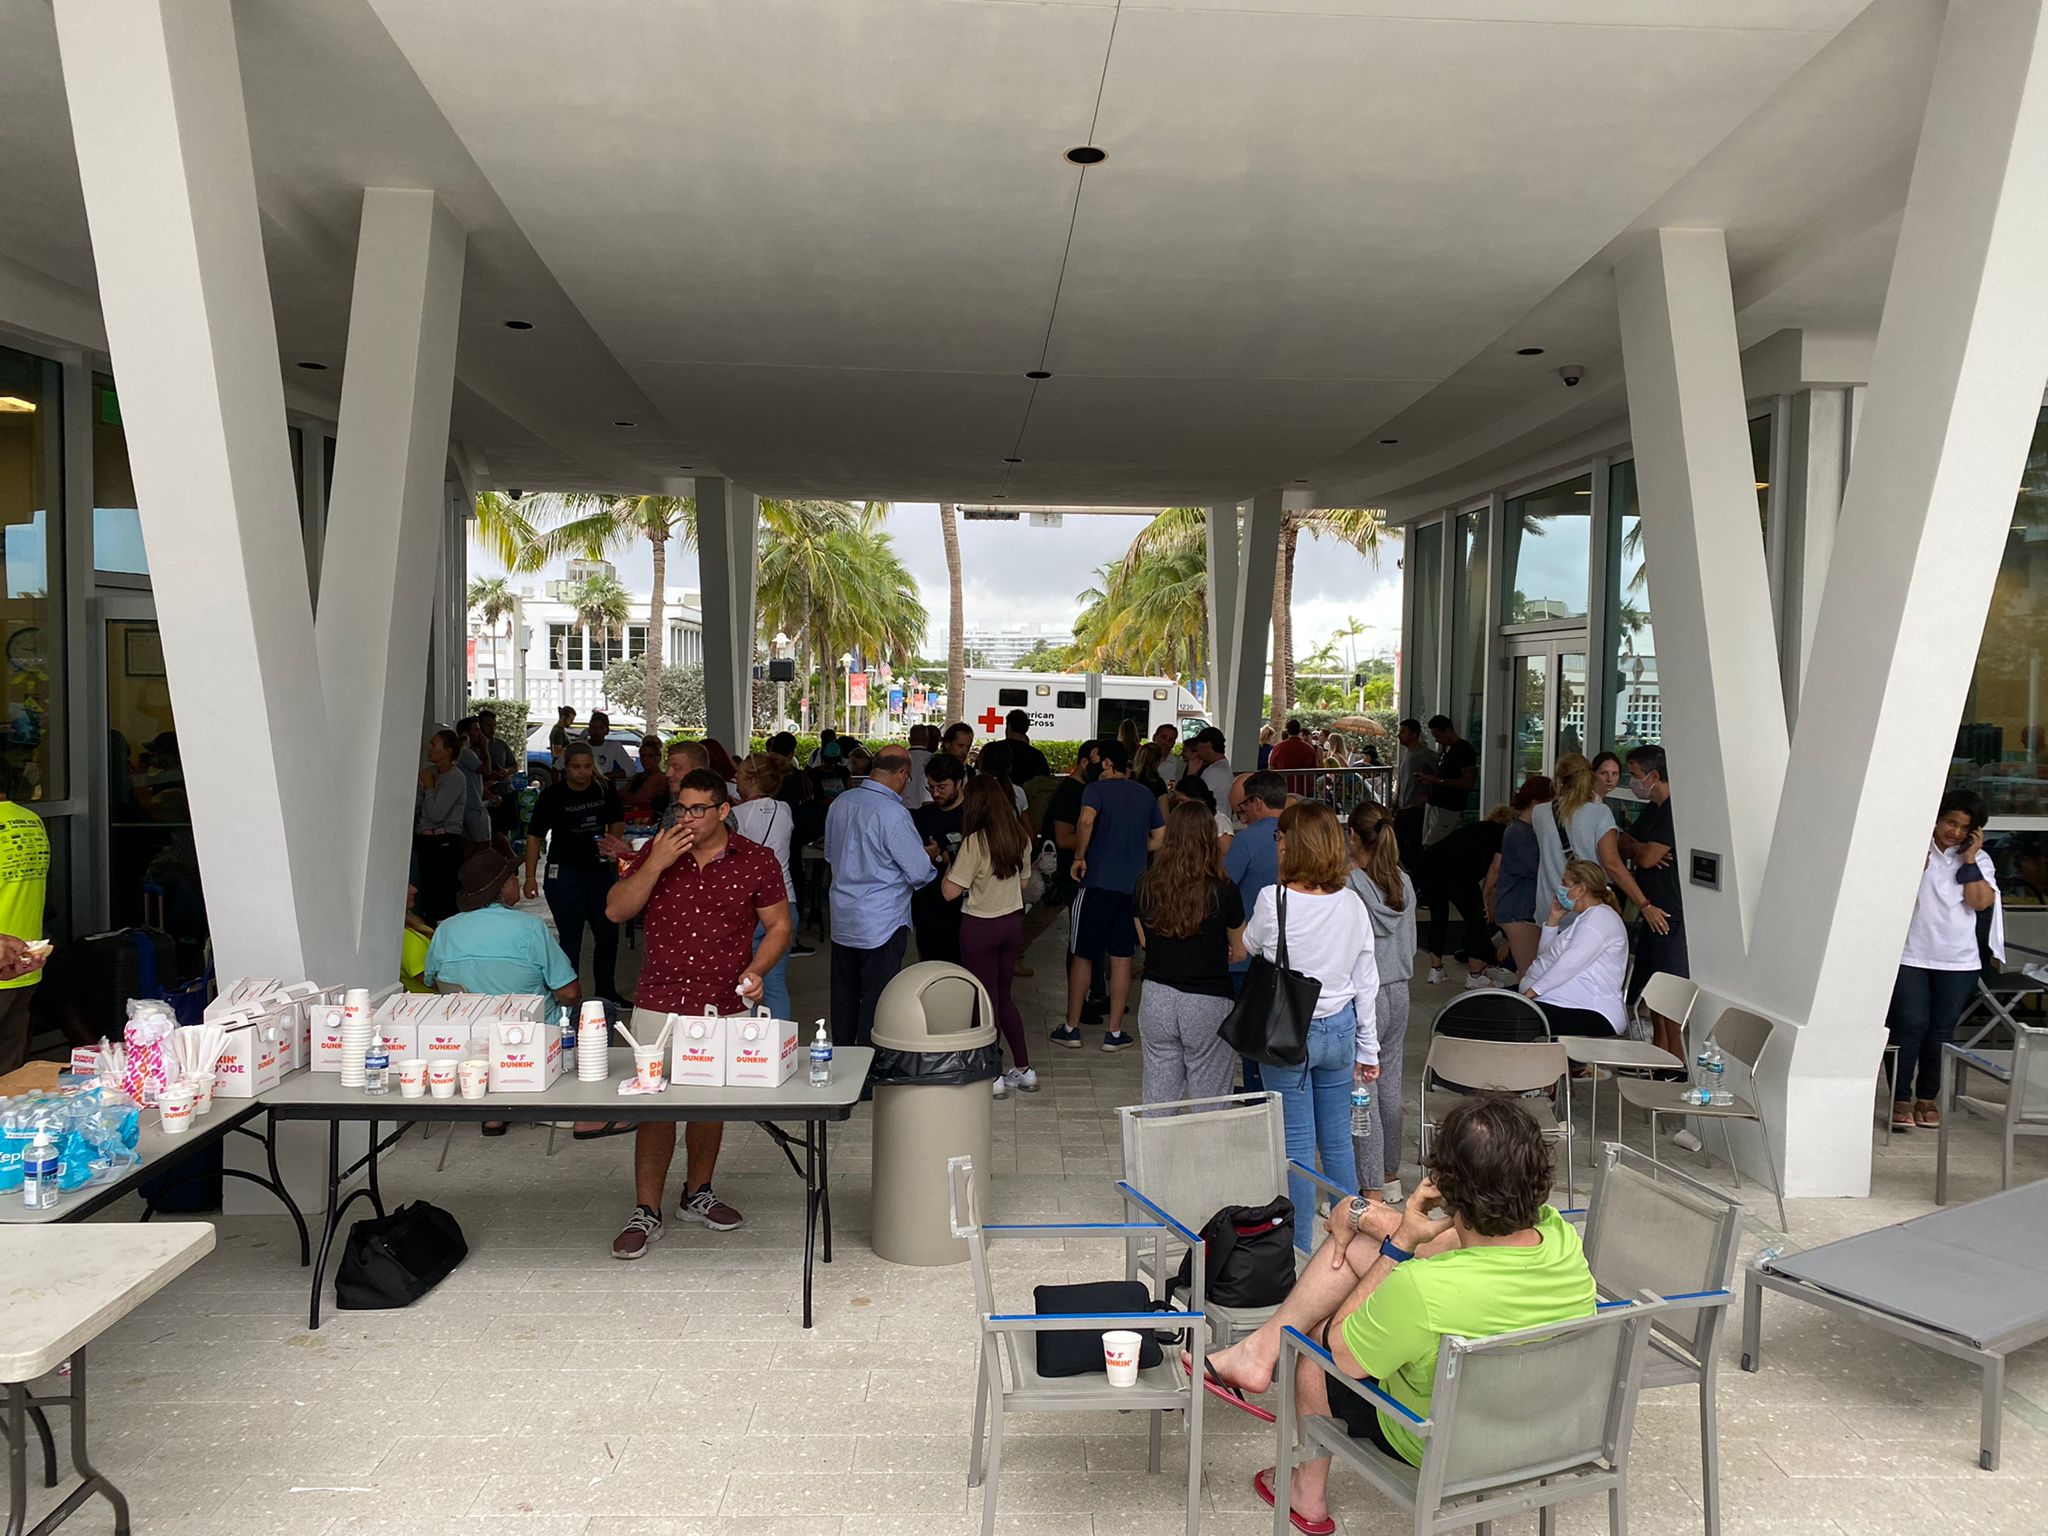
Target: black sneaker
column 643, row 1230
column 1117, row 1040
column 799, row 947
column 1068, row 1036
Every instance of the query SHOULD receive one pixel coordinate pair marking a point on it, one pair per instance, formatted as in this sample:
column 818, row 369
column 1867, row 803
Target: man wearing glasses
column 703, row 888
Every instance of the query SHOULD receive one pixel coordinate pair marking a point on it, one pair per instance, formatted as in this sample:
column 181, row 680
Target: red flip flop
column 1216, row 1386
column 1262, row 1484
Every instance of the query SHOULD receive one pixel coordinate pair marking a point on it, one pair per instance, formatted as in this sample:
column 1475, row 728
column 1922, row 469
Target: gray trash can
column 935, row 1055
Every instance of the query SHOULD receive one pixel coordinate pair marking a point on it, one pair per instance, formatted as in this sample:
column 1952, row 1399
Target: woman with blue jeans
column 1329, row 940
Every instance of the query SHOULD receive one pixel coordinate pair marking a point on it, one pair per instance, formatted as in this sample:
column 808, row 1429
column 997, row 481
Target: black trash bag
column 937, row 1069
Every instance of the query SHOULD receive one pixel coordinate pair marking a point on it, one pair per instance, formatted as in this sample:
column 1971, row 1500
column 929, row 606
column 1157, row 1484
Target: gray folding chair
column 1192, row 1158
column 1652, row 1229
column 1491, row 1013
column 1486, row 1454
column 1674, row 997
column 1746, row 1037
column 2003, row 984
column 1161, row 1389
column 1522, row 1070
column 2023, row 1070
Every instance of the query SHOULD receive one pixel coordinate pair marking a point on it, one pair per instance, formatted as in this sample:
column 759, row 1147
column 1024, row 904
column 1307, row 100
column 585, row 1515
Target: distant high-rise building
column 1005, row 646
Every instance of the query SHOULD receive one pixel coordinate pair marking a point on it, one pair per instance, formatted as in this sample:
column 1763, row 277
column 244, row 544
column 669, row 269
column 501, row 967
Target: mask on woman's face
column 1639, row 786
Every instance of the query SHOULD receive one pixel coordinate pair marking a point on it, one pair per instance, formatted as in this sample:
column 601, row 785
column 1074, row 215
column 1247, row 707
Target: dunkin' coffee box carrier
column 760, row 1051
column 254, row 1060
column 526, row 1056
column 699, row 1046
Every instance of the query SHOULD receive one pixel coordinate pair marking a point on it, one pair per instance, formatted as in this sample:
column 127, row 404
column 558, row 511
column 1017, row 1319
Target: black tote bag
column 1269, row 1021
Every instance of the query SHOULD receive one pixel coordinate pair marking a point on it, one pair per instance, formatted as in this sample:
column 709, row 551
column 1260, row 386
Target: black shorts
column 1360, row 1418
column 1102, row 924
column 1656, row 952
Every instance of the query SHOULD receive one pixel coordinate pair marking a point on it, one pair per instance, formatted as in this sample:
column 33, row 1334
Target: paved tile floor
column 548, row 1389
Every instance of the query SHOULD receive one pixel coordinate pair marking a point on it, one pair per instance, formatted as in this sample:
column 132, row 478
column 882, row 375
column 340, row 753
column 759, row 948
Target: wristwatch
column 1358, row 1207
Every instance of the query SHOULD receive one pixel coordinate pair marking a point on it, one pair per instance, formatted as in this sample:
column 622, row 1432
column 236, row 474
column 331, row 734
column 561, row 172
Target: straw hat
column 481, row 880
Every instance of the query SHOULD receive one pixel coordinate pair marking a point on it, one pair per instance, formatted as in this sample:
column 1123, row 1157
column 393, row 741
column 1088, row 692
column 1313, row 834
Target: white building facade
column 547, row 656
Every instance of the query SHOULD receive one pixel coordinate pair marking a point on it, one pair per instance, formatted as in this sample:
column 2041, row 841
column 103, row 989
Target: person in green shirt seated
column 1389, row 1283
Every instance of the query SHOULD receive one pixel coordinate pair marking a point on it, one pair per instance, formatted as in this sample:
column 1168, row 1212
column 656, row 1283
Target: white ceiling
column 816, row 244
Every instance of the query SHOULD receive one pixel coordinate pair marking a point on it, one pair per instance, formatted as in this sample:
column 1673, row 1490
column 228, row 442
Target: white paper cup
column 441, row 1079
column 412, row 1077
column 175, row 1106
column 474, row 1076
column 202, row 1093
column 647, row 1065
column 1120, row 1357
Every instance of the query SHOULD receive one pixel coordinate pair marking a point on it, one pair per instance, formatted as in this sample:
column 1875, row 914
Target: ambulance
column 1077, row 706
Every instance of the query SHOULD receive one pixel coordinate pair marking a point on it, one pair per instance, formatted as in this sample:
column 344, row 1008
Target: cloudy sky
column 1017, row 574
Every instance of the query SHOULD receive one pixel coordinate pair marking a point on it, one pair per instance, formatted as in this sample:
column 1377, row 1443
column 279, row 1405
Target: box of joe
column 761, row 1052
column 253, row 1062
column 526, row 1057
column 699, row 1049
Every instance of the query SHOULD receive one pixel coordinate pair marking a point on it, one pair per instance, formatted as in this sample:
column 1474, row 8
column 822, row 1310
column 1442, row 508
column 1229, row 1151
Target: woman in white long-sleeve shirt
column 1581, row 968
column 1329, row 938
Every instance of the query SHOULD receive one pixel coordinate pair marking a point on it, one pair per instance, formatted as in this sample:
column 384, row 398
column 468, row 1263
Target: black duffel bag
column 392, row 1261
column 1249, row 1256
column 1075, row 1351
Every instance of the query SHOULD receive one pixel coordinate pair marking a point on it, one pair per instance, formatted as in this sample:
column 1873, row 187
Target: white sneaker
column 1684, row 1138
column 1001, row 1086
column 1391, row 1191
column 1501, row 975
column 1023, row 1079
column 1436, row 976
column 1479, row 981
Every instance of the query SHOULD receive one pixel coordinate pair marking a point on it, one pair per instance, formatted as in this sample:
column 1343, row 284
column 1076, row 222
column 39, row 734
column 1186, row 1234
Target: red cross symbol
column 989, row 721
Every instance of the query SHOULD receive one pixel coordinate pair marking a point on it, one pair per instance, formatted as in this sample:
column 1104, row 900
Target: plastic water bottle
column 1361, row 1110
column 1718, row 1091
column 39, row 1186
column 821, row 1058
column 377, row 1066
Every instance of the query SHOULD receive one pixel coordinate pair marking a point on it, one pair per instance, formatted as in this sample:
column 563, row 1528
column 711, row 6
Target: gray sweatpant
column 1379, row 1156
column 1184, row 1056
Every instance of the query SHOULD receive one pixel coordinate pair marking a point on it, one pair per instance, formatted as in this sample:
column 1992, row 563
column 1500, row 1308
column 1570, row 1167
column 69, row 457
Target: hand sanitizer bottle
column 821, row 1058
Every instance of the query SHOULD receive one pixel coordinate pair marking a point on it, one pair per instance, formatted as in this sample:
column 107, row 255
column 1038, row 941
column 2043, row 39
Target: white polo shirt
column 1943, row 933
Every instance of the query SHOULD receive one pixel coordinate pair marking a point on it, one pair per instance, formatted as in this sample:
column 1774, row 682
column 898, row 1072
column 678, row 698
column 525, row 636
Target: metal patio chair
column 1491, row 1013
column 2023, row 1070
column 2002, row 984
column 1191, row 1159
column 1650, row 1228
column 1747, row 1037
column 1520, row 1421
column 1674, row 997
column 998, row 1392
column 1525, row 1071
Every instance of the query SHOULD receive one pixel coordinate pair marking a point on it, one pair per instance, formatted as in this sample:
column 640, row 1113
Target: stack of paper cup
column 355, row 1035
column 593, row 1039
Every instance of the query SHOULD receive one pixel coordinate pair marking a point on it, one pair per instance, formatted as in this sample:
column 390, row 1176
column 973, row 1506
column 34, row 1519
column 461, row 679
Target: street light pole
column 778, row 648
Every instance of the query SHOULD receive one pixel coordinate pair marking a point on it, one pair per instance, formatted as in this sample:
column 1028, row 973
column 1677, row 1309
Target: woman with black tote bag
column 1328, row 940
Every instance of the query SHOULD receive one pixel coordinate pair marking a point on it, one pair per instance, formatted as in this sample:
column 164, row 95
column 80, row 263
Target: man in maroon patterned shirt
column 703, row 888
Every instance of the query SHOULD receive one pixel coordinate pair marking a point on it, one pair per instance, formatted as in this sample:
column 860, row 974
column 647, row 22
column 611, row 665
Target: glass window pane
column 1426, row 572
column 1466, row 704
column 1548, row 535
column 116, row 525
column 1635, row 712
column 2002, row 747
column 1760, row 461
column 150, row 850
column 32, row 734
column 1528, row 680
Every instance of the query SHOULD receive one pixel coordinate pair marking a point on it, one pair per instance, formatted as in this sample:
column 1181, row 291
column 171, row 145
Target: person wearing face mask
column 1938, row 971
column 1652, row 847
column 1577, row 977
column 570, row 819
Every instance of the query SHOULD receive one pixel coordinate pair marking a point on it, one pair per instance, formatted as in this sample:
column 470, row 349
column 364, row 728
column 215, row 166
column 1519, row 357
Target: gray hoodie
column 1393, row 932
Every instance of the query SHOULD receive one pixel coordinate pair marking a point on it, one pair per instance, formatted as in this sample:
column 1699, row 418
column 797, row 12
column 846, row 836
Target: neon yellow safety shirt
column 1472, row 1292
column 24, row 877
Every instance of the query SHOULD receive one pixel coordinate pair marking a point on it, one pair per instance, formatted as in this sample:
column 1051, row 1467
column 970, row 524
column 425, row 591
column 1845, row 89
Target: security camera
column 516, row 493
column 1571, row 373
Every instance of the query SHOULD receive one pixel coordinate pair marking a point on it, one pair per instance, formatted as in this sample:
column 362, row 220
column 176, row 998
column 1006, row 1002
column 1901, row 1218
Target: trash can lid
column 934, row 1006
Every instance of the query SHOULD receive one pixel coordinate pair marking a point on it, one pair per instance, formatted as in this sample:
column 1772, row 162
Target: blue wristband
column 1390, row 1251
column 1970, row 873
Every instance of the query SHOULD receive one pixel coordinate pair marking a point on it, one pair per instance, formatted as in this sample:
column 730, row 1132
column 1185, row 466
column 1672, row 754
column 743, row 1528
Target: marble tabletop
column 63, row 1286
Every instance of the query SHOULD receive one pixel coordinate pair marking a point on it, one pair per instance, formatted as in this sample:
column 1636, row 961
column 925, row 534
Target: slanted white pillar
column 1222, row 544
column 1955, row 387
column 727, row 523
column 389, row 502
column 1717, row 652
column 1258, row 564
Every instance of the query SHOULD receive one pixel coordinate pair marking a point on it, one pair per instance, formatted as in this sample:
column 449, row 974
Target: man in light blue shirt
column 1253, row 859
column 877, row 860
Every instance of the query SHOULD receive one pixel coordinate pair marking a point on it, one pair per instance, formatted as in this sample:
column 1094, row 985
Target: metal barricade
column 1341, row 789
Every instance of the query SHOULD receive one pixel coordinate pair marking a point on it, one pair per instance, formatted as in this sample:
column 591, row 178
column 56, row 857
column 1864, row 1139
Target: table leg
column 90, row 1480
column 333, row 1219
column 1994, row 1413
column 37, row 1417
column 810, row 1209
column 283, row 1193
column 17, row 1458
column 825, row 1189
column 1948, row 1113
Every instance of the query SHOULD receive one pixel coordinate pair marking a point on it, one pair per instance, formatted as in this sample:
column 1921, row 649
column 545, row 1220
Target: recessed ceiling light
column 1038, row 373
column 1388, row 442
column 686, row 466
column 518, row 325
column 624, row 423
column 1528, row 351
column 1582, row 493
column 1013, row 461
column 314, row 367
column 1087, row 154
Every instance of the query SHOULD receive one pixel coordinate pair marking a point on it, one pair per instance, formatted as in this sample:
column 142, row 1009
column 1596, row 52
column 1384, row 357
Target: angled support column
column 1717, row 652
column 1222, row 544
column 163, row 155
column 387, row 528
column 727, row 520
column 1252, row 609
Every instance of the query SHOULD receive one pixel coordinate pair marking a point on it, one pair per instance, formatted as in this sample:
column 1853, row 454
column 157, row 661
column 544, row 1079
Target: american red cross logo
column 989, row 721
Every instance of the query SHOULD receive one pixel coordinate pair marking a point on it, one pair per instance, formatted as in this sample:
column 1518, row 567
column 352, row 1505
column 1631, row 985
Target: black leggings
column 1464, row 894
column 1576, row 1021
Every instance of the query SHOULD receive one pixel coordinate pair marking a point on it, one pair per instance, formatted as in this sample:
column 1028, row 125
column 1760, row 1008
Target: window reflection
column 31, row 557
column 1547, row 542
column 1467, row 703
column 2001, row 749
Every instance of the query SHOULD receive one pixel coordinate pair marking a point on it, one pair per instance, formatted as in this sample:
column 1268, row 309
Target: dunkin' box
column 325, row 1041
column 525, row 1056
column 699, row 1048
column 254, row 1060
column 442, row 1040
column 760, row 1051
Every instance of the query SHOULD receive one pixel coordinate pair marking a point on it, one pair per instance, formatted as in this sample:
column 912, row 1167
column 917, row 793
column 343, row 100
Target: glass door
column 1529, row 678
column 1546, row 701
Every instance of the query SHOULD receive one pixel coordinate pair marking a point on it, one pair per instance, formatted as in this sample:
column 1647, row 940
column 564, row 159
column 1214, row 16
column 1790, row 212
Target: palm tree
column 506, row 531
column 491, row 599
column 1358, row 528
column 956, row 613
column 602, row 606
column 597, row 525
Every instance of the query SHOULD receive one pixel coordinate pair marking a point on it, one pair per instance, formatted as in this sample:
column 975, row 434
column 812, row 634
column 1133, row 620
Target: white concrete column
column 163, row 154
column 1955, row 386
column 1817, row 463
column 389, row 504
column 727, row 520
column 1258, row 566
column 1717, row 652
column 1222, row 544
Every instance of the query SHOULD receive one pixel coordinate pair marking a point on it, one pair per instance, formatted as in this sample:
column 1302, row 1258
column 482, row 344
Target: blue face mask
column 1564, row 898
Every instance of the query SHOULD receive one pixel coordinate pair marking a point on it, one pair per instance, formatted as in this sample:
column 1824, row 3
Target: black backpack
column 1250, row 1256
